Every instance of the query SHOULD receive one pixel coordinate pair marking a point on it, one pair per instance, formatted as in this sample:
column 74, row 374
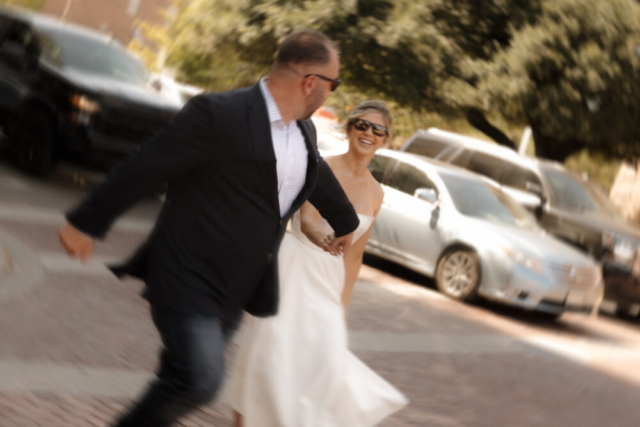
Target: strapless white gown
column 295, row 369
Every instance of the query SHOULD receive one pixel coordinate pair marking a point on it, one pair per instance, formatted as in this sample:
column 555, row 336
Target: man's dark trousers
column 191, row 368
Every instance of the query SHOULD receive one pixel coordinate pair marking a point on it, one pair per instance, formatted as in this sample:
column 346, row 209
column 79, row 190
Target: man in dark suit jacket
column 213, row 250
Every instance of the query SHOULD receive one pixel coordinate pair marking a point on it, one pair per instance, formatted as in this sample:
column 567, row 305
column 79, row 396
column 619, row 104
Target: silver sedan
column 461, row 229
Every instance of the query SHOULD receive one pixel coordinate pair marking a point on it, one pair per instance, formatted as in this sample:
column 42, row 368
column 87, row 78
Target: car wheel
column 458, row 275
column 34, row 141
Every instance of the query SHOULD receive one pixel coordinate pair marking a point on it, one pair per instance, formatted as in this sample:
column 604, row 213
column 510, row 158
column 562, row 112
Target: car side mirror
column 538, row 191
column 426, row 194
column 156, row 85
column 535, row 189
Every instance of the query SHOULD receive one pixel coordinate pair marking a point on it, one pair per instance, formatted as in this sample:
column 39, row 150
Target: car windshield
column 476, row 199
column 572, row 194
column 89, row 55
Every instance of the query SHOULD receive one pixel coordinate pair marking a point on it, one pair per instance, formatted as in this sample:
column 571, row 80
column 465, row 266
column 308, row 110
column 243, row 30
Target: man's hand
column 75, row 243
column 318, row 235
column 339, row 245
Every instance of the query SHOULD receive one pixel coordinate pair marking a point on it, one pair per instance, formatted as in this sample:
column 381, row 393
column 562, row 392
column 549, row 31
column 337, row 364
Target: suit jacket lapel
column 262, row 144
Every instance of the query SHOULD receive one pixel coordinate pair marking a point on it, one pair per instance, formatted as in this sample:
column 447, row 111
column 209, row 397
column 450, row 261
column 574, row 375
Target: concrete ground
column 77, row 345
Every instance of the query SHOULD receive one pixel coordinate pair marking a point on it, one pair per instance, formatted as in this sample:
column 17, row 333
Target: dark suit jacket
column 214, row 245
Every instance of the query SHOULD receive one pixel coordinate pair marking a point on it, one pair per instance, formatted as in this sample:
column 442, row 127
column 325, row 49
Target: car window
column 379, row 165
column 448, row 154
column 408, row 179
column 462, row 158
column 92, row 56
column 477, row 199
column 426, row 147
column 518, row 177
column 572, row 194
column 487, row 165
column 18, row 32
column 502, row 171
column 4, row 25
column 17, row 37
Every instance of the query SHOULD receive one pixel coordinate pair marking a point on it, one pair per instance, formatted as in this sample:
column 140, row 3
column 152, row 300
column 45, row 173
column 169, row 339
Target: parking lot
column 78, row 345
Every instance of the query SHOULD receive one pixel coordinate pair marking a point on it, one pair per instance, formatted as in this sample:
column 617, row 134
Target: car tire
column 547, row 317
column 458, row 275
column 625, row 311
column 34, row 142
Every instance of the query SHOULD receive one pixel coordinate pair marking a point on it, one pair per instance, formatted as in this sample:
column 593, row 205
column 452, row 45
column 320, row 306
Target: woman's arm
column 352, row 263
column 353, row 256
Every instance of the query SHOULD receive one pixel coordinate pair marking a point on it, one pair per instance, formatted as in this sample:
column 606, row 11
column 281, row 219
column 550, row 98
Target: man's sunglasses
column 334, row 82
column 364, row 125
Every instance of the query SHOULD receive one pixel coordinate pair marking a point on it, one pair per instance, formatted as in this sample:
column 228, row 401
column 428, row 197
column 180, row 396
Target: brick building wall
column 116, row 17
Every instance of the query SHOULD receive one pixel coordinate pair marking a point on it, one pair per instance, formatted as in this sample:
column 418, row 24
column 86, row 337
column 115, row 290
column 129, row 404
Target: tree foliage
column 574, row 77
column 27, row 4
column 569, row 68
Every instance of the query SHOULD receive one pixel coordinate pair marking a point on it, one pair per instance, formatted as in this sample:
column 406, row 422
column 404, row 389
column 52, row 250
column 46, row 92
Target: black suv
column 65, row 89
column 569, row 207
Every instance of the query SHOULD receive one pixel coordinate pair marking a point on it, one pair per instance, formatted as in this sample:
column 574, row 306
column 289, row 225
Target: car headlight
column 85, row 104
column 623, row 249
column 524, row 260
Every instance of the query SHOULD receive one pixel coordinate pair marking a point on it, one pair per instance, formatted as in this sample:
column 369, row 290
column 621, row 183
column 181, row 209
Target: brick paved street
column 77, row 345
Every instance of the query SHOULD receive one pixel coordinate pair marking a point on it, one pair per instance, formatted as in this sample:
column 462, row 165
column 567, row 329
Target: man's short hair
column 307, row 47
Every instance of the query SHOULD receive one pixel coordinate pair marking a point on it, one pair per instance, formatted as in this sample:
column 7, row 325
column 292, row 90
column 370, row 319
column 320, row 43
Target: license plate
column 575, row 299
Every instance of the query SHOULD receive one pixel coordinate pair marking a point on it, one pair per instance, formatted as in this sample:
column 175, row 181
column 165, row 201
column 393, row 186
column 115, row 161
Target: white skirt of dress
column 295, row 369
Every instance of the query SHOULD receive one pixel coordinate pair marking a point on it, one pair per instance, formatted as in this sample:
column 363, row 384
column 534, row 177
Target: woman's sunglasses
column 364, row 125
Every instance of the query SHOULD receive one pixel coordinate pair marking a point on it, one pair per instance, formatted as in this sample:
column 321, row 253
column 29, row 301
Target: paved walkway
column 78, row 345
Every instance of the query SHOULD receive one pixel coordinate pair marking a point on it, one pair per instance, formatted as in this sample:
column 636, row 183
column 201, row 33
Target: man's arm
column 185, row 144
column 331, row 201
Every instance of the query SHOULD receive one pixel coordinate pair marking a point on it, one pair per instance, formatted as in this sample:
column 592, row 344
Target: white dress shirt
column 291, row 153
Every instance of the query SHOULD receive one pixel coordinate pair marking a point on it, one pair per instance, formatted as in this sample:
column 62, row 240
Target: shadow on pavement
column 535, row 381
column 524, row 317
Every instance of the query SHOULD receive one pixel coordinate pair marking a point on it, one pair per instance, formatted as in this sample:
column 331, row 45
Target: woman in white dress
column 295, row 369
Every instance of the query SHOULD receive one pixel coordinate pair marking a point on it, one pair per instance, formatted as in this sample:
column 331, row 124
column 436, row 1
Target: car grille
column 577, row 277
column 132, row 126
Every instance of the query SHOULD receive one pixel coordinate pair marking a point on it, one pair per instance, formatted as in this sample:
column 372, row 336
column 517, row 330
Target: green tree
column 574, row 77
column 569, row 68
column 27, row 4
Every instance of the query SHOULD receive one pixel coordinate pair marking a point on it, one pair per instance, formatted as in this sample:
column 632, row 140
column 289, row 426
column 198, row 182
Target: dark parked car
column 571, row 208
column 67, row 89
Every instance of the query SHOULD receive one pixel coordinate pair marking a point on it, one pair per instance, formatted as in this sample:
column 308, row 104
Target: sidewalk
column 20, row 267
column 57, row 364
column 77, row 346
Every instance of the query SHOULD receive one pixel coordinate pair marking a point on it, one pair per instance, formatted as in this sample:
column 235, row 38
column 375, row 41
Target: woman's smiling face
column 365, row 141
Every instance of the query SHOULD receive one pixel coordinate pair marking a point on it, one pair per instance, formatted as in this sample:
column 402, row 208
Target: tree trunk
column 477, row 119
column 552, row 148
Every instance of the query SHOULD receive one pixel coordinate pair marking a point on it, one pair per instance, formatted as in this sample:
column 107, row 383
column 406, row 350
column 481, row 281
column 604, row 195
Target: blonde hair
column 367, row 107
